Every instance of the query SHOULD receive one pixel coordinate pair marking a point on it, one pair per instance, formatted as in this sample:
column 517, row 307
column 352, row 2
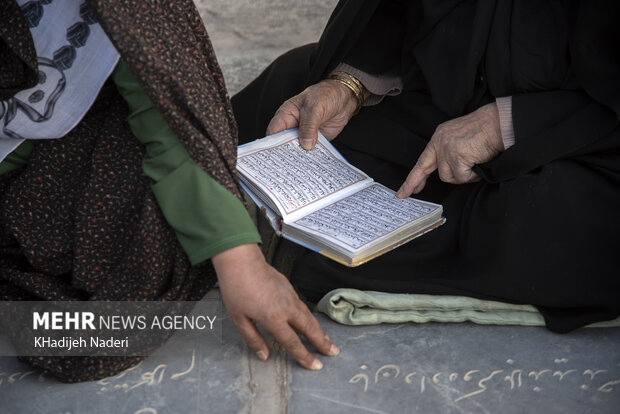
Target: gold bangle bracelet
column 352, row 83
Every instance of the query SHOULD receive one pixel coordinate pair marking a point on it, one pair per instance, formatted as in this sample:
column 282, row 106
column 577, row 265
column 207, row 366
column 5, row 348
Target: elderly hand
column 326, row 106
column 455, row 147
column 255, row 292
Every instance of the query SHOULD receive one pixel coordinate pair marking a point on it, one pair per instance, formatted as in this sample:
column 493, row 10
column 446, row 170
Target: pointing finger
column 427, row 163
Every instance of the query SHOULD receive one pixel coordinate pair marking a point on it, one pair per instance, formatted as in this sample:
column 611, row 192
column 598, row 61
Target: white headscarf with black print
column 75, row 58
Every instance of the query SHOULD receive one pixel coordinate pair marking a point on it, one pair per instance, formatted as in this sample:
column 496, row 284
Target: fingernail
column 316, row 365
column 262, row 355
column 326, row 337
column 306, row 144
column 399, row 193
column 333, row 350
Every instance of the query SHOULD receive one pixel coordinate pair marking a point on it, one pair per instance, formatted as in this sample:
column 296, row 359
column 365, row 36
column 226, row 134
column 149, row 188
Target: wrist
column 355, row 87
column 236, row 258
column 347, row 97
column 493, row 127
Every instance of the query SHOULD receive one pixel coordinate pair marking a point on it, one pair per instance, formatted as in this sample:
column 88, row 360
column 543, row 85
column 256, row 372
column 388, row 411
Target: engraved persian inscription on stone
column 468, row 384
column 126, row 381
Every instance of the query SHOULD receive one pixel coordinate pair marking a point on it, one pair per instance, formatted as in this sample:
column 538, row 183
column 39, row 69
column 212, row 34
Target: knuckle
column 238, row 322
column 420, row 171
column 450, row 143
column 279, row 113
column 274, row 316
column 411, row 181
column 465, row 175
column 310, row 326
column 253, row 341
column 289, row 103
column 445, row 174
column 237, row 317
column 308, row 111
column 292, row 344
column 315, row 110
column 459, row 143
column 299, row 304
column 447, row 179
column 294, row 103
column 459, row 179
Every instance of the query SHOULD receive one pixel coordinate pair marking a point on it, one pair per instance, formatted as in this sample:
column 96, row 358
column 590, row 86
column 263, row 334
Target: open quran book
column 319, row 200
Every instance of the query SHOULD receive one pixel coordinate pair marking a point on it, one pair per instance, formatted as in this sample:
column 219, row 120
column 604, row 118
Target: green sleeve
column 18, row 158
column 206, row 217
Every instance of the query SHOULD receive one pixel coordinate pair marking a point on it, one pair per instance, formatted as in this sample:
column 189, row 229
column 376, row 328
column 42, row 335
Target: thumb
column 309, row 122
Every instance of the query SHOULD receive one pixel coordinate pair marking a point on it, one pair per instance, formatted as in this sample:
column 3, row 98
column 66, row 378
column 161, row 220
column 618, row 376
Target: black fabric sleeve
column 549, row 126
column 583, row 121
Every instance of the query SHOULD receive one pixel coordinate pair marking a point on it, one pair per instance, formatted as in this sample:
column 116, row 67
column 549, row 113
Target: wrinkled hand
column 326, row 106
column 455, row 147
column 255, row 292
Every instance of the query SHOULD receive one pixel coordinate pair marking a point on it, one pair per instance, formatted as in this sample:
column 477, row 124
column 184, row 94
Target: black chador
column 543, row 225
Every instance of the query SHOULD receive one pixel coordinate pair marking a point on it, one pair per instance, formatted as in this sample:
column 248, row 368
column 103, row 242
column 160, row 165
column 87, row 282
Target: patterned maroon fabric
column 19, row 59
column 167, row 48
column 79, row 222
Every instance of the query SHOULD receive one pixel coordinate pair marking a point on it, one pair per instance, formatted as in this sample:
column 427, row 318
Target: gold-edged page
column 365, row 219
column 296, row 180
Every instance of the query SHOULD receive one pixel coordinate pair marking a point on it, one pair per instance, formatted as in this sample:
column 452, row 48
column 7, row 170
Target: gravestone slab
column 447, row 368
column 433, row 368
column 462, row 368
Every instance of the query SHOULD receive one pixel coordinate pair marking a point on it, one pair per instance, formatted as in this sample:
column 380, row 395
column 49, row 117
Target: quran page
column 295, row 180
column 365, row 218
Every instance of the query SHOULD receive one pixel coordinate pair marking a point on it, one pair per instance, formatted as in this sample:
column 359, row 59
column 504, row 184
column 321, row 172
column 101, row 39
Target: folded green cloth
column 356, row 307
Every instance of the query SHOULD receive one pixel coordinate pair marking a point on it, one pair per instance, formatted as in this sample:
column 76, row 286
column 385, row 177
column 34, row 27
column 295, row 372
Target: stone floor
column 247, row 34
column 430, row 368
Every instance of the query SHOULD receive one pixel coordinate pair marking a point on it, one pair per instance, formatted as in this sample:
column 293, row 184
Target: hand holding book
column 317, row 199
column 327, row 105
